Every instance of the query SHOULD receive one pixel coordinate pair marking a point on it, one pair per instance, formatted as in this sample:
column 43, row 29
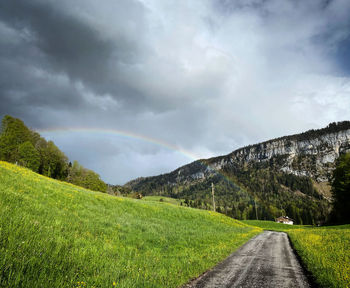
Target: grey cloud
column 71, row 45
column 68, row 45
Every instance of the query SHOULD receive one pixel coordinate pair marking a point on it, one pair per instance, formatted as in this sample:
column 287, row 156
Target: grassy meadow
column 163, row 199
column 272, row 225
column 54, row 234
column 325, row 250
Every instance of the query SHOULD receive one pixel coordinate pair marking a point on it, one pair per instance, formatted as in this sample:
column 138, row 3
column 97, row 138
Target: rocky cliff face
column 311, row 154
column 313, row 157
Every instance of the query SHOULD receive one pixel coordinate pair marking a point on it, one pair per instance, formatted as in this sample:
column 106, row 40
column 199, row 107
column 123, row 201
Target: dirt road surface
column 266, row 260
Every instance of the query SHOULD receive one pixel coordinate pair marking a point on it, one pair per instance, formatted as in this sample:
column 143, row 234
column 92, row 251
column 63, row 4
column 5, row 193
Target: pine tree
column 341, row 190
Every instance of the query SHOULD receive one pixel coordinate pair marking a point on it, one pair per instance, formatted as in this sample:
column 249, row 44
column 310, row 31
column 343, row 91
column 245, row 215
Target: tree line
column 25, row 147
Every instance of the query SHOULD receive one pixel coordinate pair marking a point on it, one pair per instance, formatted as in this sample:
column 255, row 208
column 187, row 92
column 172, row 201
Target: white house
column 285, row 220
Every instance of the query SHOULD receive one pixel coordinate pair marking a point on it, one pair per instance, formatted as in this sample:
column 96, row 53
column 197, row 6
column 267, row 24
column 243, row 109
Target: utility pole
column 212, row 192
column 256, row 209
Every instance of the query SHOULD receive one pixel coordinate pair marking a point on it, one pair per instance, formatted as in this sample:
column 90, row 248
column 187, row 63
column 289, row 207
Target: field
column 54, row 234
column 325, row 251
column 164, row 199
column 271, row 225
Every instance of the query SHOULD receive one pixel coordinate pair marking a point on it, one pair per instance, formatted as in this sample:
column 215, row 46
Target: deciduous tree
column 28, row 156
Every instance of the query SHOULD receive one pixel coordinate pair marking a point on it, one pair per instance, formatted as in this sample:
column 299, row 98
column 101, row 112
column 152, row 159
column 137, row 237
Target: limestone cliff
column 312, row 154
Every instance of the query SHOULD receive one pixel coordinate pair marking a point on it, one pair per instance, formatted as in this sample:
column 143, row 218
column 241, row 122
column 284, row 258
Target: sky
column 133, row 88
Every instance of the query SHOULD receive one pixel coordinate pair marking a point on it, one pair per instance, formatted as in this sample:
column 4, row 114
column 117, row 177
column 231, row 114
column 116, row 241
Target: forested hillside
column 25, row 147
column 284, row 176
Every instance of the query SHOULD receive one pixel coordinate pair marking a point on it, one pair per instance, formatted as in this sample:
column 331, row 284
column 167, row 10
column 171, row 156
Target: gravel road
column 266, row 260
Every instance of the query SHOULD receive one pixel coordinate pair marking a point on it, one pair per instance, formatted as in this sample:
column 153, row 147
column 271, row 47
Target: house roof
column 285, row 217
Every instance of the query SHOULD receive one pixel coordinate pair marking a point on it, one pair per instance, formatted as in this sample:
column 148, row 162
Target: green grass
column 272, row 225
column 165, row 199
column 326, row 253
column 324, row 250
column 54, row 234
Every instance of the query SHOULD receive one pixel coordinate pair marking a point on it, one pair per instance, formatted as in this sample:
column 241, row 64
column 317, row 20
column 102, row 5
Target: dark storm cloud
column 70, row 45
column 57, row 42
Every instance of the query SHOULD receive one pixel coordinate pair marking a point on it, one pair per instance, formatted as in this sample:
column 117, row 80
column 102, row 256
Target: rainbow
column 122, row 133
column 130, row 135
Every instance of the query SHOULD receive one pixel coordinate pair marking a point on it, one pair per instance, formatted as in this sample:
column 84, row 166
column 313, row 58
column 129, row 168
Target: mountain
column 287, row 175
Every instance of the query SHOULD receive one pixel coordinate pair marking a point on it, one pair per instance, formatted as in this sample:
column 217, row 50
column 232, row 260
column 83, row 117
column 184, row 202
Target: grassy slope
column 54, row 234
column 324, row 250
column 165, row 199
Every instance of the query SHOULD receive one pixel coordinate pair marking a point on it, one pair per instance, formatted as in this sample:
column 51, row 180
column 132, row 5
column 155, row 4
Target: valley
column 147, row 232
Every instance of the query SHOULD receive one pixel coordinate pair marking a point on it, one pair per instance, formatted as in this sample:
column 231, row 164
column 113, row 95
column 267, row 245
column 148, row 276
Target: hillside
column 23, row 146
column 287, row 175
column 55, row 234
